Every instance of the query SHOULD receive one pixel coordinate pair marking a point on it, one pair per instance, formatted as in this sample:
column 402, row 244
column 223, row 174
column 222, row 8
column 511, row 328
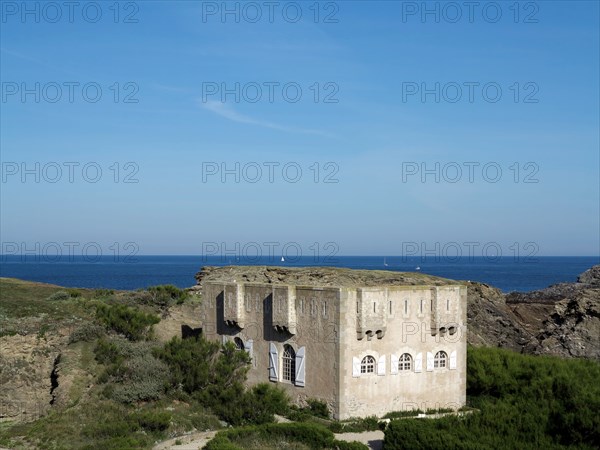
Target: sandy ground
column 374, row 439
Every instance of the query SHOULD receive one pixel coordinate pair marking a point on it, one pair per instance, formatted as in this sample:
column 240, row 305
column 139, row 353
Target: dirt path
column 192, row 441
column 374, row 439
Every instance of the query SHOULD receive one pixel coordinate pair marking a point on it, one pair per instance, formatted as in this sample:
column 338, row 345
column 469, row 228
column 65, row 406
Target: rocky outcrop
column 491, row 322
column 27, row 365
column 590, row 277
column 561, row 320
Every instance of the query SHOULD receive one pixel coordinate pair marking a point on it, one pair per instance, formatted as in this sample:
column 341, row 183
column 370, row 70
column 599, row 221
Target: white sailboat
column 385, row 261
column 282, row 259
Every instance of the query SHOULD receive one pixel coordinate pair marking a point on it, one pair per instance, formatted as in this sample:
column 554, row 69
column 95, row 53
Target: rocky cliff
column 561, row 320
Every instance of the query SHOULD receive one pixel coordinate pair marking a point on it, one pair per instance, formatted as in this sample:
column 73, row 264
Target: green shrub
column 86, row 333
column 315, row 409
column 108, row 352
column 221, row 442
column 214, row 375
column 336, row 427
column 197, row 363
column 132, row 371
column 130, row 322
column 100, row 293
column 310, row 434
column 299, row 414
column 354, row 445
column 524, row 402
column 357, row 425
column 134, row 391
column 318, row 408
column 261, row 402
column 166, row 294
column 74, row 293
column 59, row 295
column 153, row 421
column 119, row 423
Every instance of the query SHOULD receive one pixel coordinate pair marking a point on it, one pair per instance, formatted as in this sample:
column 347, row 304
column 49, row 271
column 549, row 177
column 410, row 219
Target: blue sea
column 136, row 272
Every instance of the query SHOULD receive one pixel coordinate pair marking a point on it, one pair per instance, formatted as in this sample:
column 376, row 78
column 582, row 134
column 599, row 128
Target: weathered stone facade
column 363, row 350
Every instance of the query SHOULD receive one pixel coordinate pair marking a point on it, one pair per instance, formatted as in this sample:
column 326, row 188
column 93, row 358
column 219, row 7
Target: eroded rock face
column 561, row 320
column 590, row 277
column 26, row 367
column 491, row 322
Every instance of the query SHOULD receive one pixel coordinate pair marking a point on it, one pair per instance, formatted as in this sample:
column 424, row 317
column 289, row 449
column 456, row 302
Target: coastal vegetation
column 523, row 401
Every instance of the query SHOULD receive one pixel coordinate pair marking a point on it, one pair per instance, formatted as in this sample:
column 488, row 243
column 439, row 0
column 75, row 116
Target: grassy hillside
column 24, row 307
column 96, row 402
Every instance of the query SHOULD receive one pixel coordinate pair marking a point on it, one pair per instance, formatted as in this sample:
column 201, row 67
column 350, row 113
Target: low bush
column 311, row 435
column 59, row 295
column 261, row 402
column 167, row 294
column 354, row 445
column 214, row 375
column 134, row 324
column 315, row 409
column 87, row 332
column 108, row 351
column 132, row 372
column 318, row 408
column 370, row 423
column 153, row 421
column 102, row 293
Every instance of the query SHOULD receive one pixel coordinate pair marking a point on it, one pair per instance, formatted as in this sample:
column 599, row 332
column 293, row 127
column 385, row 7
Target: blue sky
column 370, row 60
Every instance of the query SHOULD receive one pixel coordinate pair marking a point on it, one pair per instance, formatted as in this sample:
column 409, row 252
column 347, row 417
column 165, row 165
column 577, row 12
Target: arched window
column 440, row 359
column 289, row 364
column 405, row 362
column 239, row 343
column 367, row 365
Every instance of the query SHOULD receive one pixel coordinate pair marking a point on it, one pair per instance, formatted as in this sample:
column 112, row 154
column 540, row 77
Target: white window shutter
column 300, row 368
column 223, row 339
column 355, row 367
column 429, row 361
column 394, row 363
column 419, row 362
column 273, row 362
column 248, row 347
column 381, row 365
column 453, row 360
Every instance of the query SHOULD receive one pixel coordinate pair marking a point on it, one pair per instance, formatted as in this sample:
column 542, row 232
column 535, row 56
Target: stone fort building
column 365, row 342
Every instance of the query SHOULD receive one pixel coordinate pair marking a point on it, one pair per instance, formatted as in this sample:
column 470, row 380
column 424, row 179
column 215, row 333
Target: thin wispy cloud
column 226, row 111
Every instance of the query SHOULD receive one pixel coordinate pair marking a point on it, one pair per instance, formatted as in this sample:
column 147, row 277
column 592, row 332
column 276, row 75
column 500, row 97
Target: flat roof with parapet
column 317, row 276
